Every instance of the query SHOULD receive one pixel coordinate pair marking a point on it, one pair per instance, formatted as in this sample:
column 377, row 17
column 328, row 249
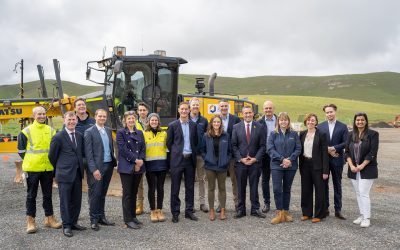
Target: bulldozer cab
column 151, row 79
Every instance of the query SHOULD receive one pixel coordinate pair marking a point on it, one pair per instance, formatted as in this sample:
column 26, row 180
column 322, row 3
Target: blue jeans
column 282, row 184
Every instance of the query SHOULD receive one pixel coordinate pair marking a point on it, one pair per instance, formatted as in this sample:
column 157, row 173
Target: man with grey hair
column 33, row 147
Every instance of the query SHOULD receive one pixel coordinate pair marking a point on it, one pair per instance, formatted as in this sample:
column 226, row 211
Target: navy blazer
column 131, row 146
column 66, row 158
column 256, row 147
column 281, row 146
column 320, row 156
column 202, row 124
column 262, row 122
column 233, row 119
column 94, row 151
column 224, row 152
column 175, row 142
column 338, row 141
column 369, row 151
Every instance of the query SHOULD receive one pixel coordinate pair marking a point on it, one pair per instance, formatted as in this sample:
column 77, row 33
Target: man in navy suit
column 336, row 133
column 182, row 144
column 248, row 144
column 66, row 155
column 99, row 152
column 268, row 121
column 228, row 120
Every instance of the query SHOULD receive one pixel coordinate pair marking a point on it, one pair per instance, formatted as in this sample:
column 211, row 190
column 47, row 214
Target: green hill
column 382, row 87
column 31, row 89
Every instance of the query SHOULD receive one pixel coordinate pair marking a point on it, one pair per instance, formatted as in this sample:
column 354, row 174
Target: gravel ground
column 245, row 233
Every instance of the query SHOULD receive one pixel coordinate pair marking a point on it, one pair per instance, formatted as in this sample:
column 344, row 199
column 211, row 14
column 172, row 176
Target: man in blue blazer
column 99, row 152
column 336, row 133
column 182, row 143
column 228, row 120
column 268, row 121
column 66, row 155
column 248, row 145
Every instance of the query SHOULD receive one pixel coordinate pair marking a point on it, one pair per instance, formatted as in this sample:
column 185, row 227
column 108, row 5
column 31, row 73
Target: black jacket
column 320, row 156
column 368, row 151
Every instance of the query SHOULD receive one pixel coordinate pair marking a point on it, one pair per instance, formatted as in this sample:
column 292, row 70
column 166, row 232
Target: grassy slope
column 380, row 87
column 298, row 106
column 31, row 89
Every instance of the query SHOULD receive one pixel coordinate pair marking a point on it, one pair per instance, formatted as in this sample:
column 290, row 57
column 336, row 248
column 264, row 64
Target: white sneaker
column 365, row 223
column 358, row 220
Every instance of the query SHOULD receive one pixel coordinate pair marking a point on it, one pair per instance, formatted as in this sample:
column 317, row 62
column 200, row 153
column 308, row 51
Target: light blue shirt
column 187, row 149
column 225, row 122
column 106, row 144
column 270, row 124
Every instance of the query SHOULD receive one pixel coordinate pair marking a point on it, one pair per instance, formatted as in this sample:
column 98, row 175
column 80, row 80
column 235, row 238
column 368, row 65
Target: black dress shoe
column 258, row 214
column 239, row 215
column 218, row 210
column 105, row 222
column 191, row 216
column 78, row 227
column 204, row 208
column 132, row 225
column 266, row 208
column 137, row 222
column 339, row 216
column 175, row 218
column 95, row 226
column 67, row 232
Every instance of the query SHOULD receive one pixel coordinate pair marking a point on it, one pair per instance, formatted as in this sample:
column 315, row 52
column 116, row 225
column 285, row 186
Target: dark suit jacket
column 94, row 151
column 131, row 146
column 265, row 127
column 65, row 157
column 233, row 119
column 320, row 156
column 369, row 151
column 175, row 142
column 240, row 147
column 339, row 138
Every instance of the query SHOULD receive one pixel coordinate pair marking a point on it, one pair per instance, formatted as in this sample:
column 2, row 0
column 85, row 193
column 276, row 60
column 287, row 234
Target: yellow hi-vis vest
column 37, row 149
column 138, row 126
column 156, row 145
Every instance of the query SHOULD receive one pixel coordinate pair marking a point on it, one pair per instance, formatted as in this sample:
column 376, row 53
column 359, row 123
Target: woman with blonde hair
column 284, row 149
column 216, row 152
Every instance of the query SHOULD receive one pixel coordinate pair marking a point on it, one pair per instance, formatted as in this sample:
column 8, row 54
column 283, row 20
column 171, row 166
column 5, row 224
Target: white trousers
column 362, row 188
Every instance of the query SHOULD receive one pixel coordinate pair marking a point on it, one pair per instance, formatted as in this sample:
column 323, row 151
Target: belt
column 187, row 156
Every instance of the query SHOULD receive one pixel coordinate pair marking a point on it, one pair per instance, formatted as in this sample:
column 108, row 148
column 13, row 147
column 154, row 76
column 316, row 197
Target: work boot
column 222, row 215
column 153, row 216
column 287, row 216
column 212, row 214
column 31, row 225
column 160, row 215
column 50, row 221
column 278, row 217
column 139, row 208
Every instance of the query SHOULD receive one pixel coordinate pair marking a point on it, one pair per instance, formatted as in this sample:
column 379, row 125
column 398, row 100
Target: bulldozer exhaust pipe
column 211, row 83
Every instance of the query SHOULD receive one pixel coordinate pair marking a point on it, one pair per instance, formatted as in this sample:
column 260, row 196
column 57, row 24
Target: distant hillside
column 383, row 87
column 31, row 89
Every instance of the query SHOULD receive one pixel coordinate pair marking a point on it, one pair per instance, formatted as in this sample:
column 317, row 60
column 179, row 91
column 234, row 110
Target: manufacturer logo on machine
column 10, row 111
column 214, row 109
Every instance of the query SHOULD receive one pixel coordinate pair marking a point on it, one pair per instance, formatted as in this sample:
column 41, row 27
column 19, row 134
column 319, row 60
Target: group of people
column 193, row 146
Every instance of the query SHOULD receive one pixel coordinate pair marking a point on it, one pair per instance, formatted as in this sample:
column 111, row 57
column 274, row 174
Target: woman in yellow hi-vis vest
column 33, row 147
column 156, row 165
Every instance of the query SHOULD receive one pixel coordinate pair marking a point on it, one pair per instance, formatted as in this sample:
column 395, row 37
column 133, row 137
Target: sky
column 230, row 37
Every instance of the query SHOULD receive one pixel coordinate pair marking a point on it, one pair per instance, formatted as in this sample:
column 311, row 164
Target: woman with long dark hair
column 216, row 151
column 361, row 155
column 131, row 155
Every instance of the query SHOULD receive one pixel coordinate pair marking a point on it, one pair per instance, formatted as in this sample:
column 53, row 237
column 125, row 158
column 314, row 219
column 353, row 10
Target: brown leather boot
column 50, row 221
column 278, row 217
column 222, row 215
column 287, row 216
column 212, row 214
column 160, row 215
column 153, row 216
column 31, row 225
column 139, row 207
